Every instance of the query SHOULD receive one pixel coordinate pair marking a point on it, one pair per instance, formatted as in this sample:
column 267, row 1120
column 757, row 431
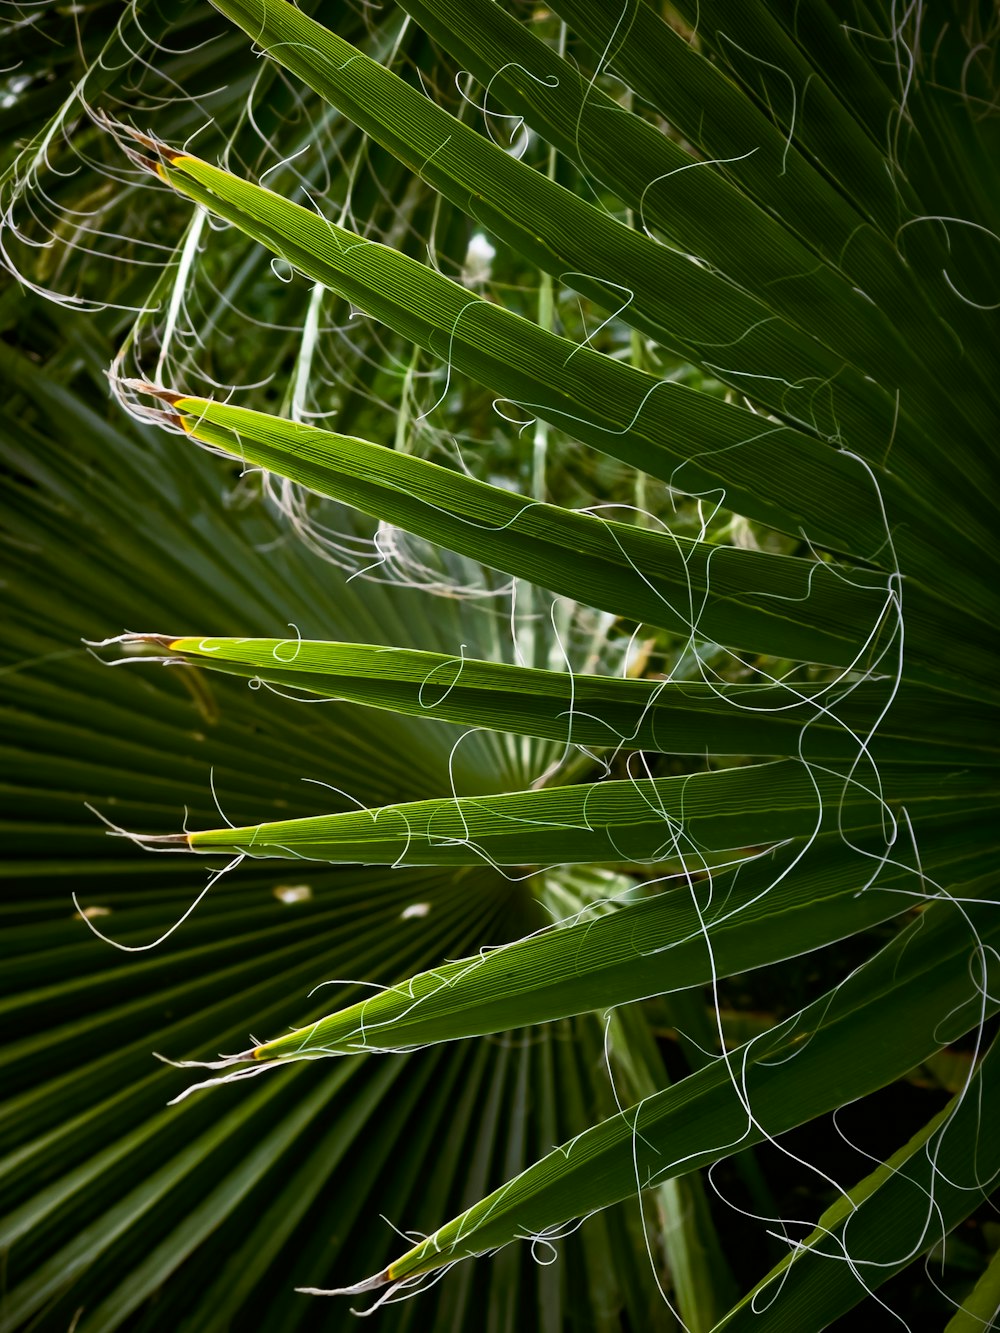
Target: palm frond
column 632, row 418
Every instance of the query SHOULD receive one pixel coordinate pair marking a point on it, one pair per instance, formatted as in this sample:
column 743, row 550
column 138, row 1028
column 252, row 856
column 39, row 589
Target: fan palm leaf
column 504, row 837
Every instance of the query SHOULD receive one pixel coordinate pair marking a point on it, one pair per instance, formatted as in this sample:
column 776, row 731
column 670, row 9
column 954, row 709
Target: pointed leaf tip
column 367, row 1284
column 158, row 839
